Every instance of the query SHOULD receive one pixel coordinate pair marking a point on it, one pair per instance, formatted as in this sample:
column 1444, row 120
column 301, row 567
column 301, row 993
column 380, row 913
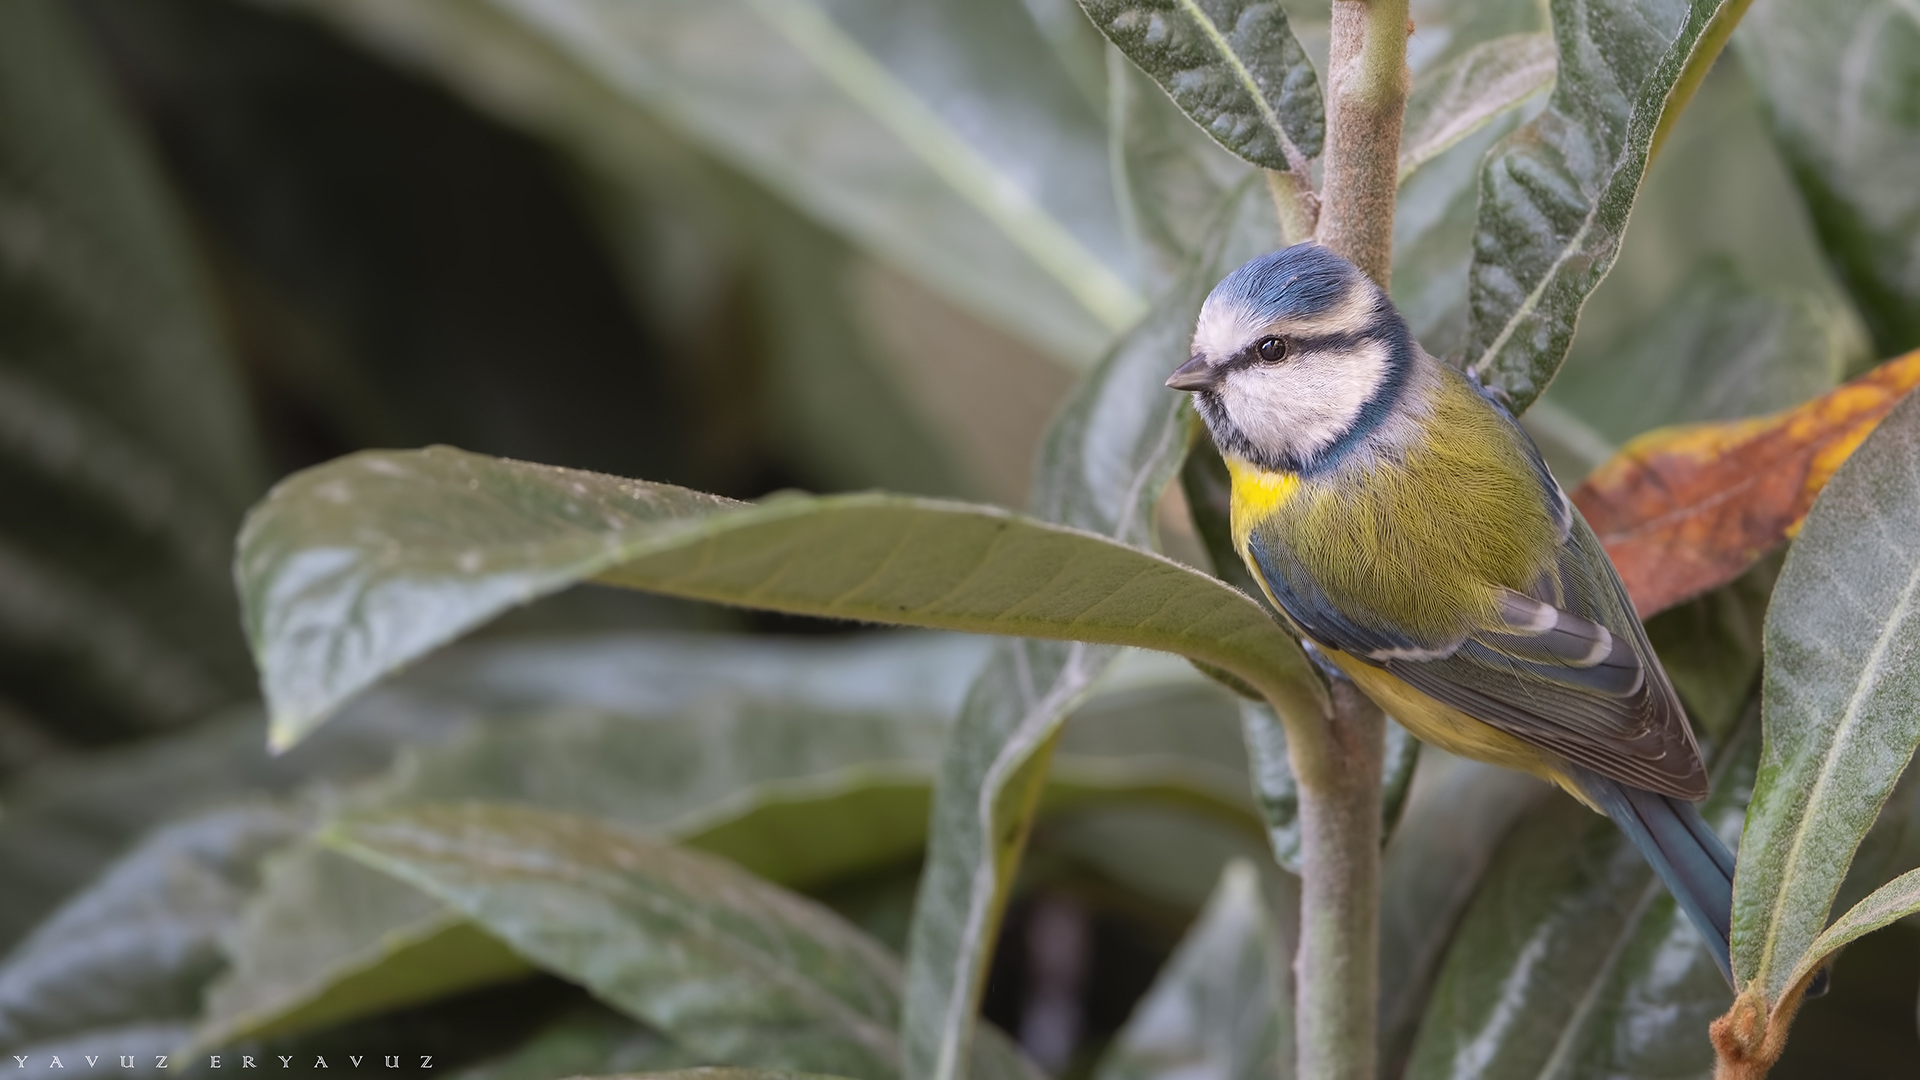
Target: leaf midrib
column 813, row 996
column 1296, row 161
column 1863, row 686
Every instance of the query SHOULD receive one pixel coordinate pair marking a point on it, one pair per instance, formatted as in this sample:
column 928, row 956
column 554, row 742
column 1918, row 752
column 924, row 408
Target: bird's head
column 1296, row 355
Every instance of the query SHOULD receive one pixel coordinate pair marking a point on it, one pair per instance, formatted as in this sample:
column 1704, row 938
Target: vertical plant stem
column 1298, row 206
column 1337, row 761
column 1366, row 104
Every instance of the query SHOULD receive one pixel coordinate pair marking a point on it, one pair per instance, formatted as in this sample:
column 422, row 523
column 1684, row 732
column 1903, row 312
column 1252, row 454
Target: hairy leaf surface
column 723, row 962
column 1233, row 65
column 1842, row 692
column 1574, row 960
column 1555, row 195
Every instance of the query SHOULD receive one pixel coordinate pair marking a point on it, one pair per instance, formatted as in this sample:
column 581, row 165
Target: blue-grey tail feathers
column 1696, row 867
column 1689, row 857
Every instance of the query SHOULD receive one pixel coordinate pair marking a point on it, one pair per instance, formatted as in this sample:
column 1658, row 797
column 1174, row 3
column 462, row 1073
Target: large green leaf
column 127, row 453
column 726, row 964
column 1220, row 1006
column 1457, row 815
column 1233, row 65
column 353, row 569
column 137, row 945
column 1573, row 959
column 1842, row 702
column 945, row 136
column 804, row 762
column 64, row 823
column 1555, row 195
column 1839, row 81
column 1110, row 453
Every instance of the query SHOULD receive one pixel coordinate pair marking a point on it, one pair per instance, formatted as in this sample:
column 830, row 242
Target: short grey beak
column 1192, row 375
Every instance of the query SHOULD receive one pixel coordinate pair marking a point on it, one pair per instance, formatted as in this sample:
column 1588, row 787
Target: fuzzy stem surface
column 1367, row 82
column 1337, row 761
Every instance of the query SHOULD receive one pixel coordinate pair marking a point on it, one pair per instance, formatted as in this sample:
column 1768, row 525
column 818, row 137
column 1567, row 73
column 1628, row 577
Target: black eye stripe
column 1322, row 343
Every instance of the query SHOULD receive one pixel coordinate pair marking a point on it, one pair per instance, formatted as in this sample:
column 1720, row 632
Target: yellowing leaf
column 1686, row 509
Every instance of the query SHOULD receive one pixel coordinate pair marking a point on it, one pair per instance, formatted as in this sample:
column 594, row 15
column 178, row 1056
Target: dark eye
column 1271, row 349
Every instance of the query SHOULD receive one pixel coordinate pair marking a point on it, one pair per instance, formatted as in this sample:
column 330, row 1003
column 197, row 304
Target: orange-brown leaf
column 1685, row 509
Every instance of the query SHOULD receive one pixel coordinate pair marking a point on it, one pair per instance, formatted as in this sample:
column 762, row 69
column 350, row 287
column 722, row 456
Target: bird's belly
column 1450, row 729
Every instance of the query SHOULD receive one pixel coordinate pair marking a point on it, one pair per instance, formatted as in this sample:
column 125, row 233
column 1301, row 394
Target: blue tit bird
column 1405, row 524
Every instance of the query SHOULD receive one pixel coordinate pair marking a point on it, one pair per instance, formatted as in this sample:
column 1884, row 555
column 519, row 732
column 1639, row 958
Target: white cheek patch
column 1302, row 406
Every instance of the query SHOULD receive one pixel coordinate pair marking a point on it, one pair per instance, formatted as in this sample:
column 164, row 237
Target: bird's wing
column 1565, row 666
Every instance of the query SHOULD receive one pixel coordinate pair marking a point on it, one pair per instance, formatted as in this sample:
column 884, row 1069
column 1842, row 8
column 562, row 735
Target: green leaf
column 804, row 762
column 1233, row 65
column 1573, row 959
column 137, row 945
column 724, row 963
column 1434, row 218
column 1220, row 1007
column 1110, row 453
column 1458, row 812
column 1453, row 100
column 127, row 454
column 1838, row 80
column 66, row 822
column 1842, row 690
column 590, row 1039
column 1721, row 348
column 945, row 137
column 1891, row 902
column 1172, row 177
column 327, row 939
column 740, row 742
column 1555, row 195
column 354, row 568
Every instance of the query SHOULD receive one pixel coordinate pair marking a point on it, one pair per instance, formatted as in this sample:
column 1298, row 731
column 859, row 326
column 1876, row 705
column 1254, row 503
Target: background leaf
column 1554, row 197
column 808, row 763
column 138, row 944
column 1453, row 100
column 1573, row 958
column 897, row 158
column 126, row 447
column 1233, row 66
column 1840, row 723
column 1687, row 509
column 1838, row 82
column 1221, row 1006
column 1458, row 812
column 784, row 982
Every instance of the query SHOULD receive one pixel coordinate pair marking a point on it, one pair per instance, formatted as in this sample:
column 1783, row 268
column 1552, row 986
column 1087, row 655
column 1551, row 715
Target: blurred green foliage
column 745, row 246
